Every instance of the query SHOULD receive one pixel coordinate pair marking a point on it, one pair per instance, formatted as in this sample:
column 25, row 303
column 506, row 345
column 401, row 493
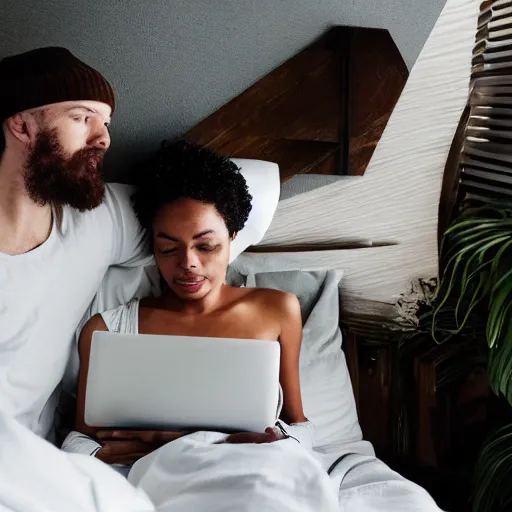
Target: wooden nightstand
column 424, row 408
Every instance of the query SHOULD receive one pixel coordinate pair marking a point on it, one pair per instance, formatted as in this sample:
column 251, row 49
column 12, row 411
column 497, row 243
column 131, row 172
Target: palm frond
column 476, row 285
column 493, row 472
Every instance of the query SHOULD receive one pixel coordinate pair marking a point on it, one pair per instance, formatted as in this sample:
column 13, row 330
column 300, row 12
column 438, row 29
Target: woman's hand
column 128, row 446
column 147, row 436
column 124, row 451
column 271, row 434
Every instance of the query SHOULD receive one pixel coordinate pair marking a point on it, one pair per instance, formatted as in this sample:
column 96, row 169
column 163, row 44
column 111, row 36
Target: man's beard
column 53, row 178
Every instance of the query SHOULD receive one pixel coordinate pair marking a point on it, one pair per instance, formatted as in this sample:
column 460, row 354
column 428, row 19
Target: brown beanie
column 48, row 75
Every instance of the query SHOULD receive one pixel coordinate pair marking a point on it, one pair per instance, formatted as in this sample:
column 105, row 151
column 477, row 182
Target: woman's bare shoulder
column 277, row 299
column 95, row 323
column 283, row 307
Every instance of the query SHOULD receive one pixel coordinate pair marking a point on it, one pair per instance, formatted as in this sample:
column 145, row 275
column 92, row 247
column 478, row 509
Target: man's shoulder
column 118, row 194
column 112, row 213
column 113, row 224
column 115, row 205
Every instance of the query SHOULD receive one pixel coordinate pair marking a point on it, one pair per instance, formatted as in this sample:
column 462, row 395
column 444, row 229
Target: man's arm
column 132, row 271
column 129, row 243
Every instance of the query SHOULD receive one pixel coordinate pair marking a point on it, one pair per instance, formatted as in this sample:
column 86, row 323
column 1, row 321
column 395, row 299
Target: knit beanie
column 48, row 75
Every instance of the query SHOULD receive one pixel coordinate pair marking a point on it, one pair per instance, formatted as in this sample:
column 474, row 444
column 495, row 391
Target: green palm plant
column 493, row 473
column 474, row 302
column 475, row 294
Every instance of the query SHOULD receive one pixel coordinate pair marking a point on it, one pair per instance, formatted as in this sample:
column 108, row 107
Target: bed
column 320, row 243
column 360, row 480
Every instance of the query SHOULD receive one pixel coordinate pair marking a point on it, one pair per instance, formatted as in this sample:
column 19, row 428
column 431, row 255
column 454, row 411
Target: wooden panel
column 451, row 400
column 378, row 75
column 285, row 101
column 350, row 347
column 294, row 156
column 304, row 114
column 374, row 396
column 370, row 372
column 450, row 188
column 422, row 403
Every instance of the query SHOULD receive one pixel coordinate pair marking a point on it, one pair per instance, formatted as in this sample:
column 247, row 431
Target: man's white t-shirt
column 44, row 294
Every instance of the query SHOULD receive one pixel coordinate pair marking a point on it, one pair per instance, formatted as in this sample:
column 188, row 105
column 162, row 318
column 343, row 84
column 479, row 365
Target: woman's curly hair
column 184, row 170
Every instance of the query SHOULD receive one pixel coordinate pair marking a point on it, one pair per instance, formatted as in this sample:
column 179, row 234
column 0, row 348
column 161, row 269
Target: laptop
column 147, row 381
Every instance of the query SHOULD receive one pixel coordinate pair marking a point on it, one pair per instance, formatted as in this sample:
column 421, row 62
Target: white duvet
column 192, row 474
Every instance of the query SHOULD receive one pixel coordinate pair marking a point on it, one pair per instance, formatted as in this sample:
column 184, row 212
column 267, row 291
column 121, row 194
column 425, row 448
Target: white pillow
column 262, row 179
column 325, row 382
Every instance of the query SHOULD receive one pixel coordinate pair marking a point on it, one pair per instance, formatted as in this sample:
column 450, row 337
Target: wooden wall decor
column 478, row 168
column 322, row 111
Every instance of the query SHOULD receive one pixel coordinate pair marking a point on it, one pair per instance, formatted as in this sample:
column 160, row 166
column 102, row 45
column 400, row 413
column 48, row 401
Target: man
column 61, row 229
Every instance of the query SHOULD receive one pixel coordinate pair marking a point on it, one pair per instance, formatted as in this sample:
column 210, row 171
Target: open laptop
column 182, row 382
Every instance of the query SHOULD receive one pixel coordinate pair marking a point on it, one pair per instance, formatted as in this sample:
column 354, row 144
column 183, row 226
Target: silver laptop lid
column 182, row 382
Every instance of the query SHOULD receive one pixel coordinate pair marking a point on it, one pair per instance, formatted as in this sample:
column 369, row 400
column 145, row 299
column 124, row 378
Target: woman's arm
column 290, row 339
column 81, row 439
column 95, row 323
column 115, row 447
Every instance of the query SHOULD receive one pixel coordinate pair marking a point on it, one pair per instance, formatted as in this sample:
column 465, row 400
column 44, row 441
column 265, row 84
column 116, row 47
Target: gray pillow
column 235, row 278
column 325, row 382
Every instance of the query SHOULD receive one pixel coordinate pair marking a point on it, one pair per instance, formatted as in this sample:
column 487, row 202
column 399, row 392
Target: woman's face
column 191, row 245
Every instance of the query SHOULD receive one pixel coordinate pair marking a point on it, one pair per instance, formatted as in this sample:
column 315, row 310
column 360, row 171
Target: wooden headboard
column 322, row 111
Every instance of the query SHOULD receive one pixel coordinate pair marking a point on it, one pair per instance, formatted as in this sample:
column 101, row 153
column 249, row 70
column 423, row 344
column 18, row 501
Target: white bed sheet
column 365, row 484
column 194, row 474
column 37, row 477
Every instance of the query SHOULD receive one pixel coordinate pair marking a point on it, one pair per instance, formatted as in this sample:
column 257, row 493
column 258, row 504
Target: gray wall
column 173, row 62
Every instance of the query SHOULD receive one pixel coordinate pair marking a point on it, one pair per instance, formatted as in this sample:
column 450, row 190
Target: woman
column 192, row 203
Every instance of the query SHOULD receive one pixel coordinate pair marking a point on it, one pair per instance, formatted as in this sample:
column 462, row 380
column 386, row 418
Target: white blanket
column 194, row 473
column 35, row 476
column 366, row 484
